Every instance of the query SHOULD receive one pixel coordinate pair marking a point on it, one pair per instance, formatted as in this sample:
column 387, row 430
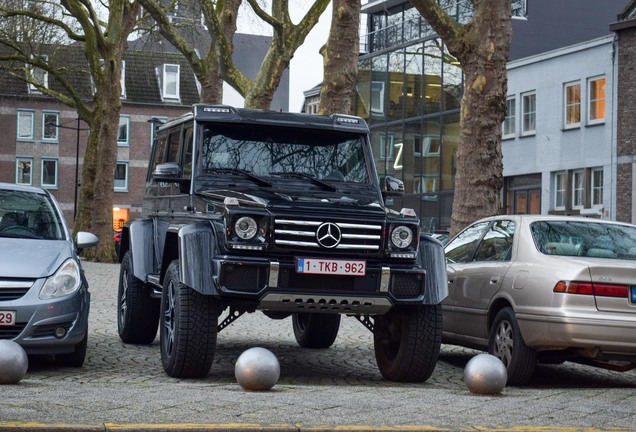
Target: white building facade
column 559, row 151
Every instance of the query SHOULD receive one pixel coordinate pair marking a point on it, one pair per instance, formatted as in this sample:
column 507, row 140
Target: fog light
column 60, row 332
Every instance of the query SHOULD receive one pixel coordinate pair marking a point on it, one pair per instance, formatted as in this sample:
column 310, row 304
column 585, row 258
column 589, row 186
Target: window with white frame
column 25, row 125
column 48, row 174
column 123, row 133
column 596, row 100
column 168, row 75
column 519, row 9
column 39, row 75
column 23, row 170
column 572, row 105
column 377, row 98
column 559, row 191
column 425, row 184
column 50, row 126
column 529, row 113
column 121, row 177
column 510, row 121
column 122, row 79
column 386, row 147
column 432, row 145
column 578, row 189
column 597, row 187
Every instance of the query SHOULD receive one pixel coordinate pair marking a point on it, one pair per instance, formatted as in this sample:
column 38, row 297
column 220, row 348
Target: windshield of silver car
column 28, row 215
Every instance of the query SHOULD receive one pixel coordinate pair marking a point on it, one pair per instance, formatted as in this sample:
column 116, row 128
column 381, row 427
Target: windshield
column 591, row 239
column 28, row 215
column 284, row 153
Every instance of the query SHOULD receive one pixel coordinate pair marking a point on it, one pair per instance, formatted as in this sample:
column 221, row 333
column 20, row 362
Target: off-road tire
column 506, row 343
column 315, row 330
column 188, row 328
column 137, row 312
column 407, row 342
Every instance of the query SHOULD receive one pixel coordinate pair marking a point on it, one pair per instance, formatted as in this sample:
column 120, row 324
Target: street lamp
column 77, row 145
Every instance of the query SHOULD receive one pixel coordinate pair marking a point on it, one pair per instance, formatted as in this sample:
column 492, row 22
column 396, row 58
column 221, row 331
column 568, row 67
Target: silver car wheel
column 123, row 305
column 504, row 343
column 168, row 319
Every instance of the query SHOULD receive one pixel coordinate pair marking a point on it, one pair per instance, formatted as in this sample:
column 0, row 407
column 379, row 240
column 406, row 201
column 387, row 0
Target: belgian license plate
column 7, row 318
column 633, row 293
column 331, row 266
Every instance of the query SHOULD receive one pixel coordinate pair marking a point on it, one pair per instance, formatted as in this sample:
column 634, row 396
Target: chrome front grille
column 14, row 289
column 327, row 235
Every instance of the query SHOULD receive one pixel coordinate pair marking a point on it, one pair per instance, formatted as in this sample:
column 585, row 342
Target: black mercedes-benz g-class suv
column 249, row 210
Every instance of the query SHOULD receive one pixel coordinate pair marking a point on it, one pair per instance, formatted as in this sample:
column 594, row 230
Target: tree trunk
column 482, row 47
column 479, row 178
column 106, row 126
column 340, row 58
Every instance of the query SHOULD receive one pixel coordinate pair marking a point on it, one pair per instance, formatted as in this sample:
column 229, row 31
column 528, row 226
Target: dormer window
column 168, row 75
column 122, row 78
column 39, row 75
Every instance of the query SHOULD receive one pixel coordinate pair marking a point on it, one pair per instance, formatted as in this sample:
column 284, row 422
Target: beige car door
column 481, row 278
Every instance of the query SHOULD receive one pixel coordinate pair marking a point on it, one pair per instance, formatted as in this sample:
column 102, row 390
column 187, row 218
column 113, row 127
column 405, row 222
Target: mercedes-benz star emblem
column 328, row 235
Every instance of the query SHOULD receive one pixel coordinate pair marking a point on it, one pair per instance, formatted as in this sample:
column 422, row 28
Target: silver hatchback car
column 44, row 298
column 543, row 288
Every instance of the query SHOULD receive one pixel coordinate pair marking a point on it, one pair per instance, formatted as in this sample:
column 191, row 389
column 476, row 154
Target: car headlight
column 65, row 281
column 401, row 237
column 246, row 228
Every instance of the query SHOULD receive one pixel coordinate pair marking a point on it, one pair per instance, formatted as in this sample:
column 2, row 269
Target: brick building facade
column 625, row 30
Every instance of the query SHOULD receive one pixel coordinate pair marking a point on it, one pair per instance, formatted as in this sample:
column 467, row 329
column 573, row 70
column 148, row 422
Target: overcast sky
column 306, row 66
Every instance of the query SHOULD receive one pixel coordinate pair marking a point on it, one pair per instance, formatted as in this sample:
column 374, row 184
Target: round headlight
column 401, row 237
column 246, row 228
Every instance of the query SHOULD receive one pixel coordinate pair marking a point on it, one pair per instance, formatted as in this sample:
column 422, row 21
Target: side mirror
column 393, row 186
column 85, row 240
column 166, row 170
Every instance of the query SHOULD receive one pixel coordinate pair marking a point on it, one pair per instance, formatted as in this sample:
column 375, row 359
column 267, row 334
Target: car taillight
column 589, row 288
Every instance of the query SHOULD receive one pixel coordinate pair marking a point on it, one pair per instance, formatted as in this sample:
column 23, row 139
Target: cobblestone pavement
column 124, row 386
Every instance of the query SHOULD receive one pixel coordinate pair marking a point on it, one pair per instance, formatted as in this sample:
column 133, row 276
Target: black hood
column 306, row 199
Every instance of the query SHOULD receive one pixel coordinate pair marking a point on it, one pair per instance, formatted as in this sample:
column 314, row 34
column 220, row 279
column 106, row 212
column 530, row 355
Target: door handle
column 495, row 280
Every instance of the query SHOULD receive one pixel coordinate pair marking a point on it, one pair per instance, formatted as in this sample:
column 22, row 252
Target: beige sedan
column 543, row 288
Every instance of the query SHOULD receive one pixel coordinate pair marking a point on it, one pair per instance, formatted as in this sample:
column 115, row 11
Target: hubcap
column 168, row 320
column 123, row 306
column 504, row 342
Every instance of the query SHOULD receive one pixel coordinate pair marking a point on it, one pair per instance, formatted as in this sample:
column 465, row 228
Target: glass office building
column 409, row 91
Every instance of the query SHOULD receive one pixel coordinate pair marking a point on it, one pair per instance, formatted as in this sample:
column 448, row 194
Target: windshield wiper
column 322, row 184
column 249, row 175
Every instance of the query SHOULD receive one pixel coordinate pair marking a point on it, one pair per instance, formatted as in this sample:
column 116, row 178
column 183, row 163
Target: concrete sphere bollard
column 485, row 374
column 257, row 369
column 13, row 362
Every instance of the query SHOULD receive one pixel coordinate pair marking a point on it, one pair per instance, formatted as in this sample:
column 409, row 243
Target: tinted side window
column 159, row 153
column 460, row 249
column 497, row 242
column 173, row 145
column 187, row 153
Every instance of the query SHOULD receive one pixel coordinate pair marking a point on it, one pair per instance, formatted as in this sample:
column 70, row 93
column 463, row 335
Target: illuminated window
column 596, row 103
column 572, row 105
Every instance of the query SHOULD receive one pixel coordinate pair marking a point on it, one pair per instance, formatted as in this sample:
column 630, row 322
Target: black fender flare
column 431, row 258
column 197, row 248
